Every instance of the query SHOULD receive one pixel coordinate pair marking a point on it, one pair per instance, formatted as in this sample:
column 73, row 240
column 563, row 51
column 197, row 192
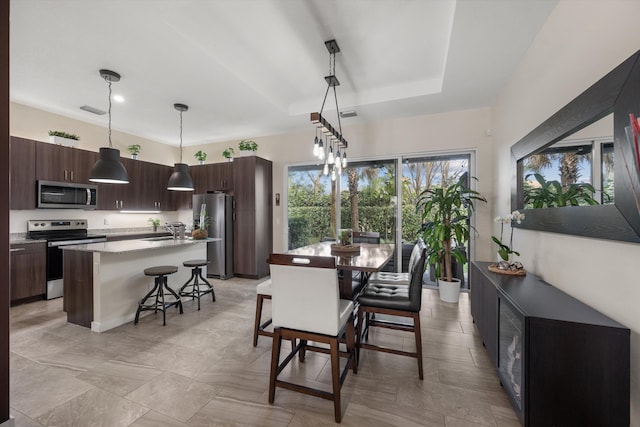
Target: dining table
column 372, row 257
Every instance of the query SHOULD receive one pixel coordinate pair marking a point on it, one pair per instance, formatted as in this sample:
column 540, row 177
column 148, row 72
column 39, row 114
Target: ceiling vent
column 349, row 113
column 93, row 110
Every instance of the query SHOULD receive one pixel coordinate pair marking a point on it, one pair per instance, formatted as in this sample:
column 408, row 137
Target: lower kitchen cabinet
column 560, row 361
column 28, row 271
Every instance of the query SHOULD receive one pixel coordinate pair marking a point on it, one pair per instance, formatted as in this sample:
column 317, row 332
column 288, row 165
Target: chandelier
column 327, row 147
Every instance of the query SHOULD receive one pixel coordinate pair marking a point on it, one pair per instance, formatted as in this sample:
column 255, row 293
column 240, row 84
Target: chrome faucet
column 176, row 229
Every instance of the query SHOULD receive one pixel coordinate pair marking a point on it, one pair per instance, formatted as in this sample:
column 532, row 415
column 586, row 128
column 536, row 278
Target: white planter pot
column 63, row 141
column 449, row 291
column 247, row 153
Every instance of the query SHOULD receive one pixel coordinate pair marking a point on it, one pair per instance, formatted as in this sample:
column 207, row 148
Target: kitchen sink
column 155, row 239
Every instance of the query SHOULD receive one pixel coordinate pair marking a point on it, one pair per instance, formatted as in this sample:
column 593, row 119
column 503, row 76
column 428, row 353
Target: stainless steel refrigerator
column 219, row 210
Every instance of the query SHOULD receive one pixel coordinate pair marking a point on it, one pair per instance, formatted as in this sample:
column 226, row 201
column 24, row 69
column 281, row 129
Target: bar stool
column 158, row 291
column 196, row 273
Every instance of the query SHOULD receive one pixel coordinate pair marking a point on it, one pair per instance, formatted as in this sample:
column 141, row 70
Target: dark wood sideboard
column 561, row 362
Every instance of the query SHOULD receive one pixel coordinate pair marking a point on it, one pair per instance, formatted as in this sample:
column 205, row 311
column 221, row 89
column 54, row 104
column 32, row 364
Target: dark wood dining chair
column 366, row 237
column 359, row 280
column 393, row 278
column 393, row 300
column 306, row 306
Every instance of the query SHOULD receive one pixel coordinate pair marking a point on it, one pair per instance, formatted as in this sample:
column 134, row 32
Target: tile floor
column 201, row 370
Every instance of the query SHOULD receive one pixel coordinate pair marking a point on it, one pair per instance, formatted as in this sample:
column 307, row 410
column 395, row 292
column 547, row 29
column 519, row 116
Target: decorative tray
column 494, row 269
column 345, row 249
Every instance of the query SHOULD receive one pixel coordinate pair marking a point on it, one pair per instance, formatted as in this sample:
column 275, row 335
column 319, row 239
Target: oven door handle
column 75, row 242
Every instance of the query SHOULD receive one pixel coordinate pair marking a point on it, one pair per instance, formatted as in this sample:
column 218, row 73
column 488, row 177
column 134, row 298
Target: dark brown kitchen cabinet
column 59, row 163
column 23, row 173
column 209, row 177
column 28, row 271
column 221, row 177
column 253, row 230
column 146, row 189
column 559, row 361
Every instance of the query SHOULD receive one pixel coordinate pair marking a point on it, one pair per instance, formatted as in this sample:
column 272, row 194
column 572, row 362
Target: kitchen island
column 103, row 282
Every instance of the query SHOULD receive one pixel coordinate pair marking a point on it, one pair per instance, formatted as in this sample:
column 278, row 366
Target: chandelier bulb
column 344, row 159
column 330, row 158
column 316, row 146
column 325, row 170
column 333, row 174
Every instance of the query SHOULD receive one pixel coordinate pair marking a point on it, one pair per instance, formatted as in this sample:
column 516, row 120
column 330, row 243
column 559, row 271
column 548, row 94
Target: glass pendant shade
column 344, row 159
column 330, row 158
column 316, row 146
column 333, row 175
column 180, row 180
column 108, row 169
column 325, row 170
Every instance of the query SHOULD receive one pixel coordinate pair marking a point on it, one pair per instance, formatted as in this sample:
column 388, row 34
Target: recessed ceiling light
column 118, row 98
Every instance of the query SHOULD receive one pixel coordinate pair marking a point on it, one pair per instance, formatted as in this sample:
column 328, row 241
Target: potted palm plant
column 445, row 210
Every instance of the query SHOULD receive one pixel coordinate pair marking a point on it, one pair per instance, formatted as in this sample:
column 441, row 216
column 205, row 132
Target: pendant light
column 109, row 169
column 337, row 160
column 180, row 180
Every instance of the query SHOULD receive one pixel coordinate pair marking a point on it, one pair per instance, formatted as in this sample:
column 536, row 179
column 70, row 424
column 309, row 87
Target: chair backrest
column 415, row 280
column 305, row 293
column 366, row 237
column 415, row 253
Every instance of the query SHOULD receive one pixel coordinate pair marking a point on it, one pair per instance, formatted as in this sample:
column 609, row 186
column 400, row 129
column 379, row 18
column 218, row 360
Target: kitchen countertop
column 136, row 245
column 21, row 238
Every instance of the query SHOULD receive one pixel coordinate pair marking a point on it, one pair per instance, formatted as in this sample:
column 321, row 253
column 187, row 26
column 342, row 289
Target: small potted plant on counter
column 201, row 156
column 63, row 138
column 155, row 222
column 228, row 154
column 134, row 150
column 247, row 147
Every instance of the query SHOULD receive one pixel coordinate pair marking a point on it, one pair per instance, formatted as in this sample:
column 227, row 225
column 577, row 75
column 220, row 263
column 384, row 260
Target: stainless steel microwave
column 66, row 195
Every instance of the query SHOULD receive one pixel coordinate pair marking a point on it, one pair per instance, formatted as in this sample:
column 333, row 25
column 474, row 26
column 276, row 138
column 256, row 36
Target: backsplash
column 105, row 221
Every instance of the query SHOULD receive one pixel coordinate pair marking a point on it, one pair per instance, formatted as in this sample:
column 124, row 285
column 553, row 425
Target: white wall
column 580, row 43
column 31, row 123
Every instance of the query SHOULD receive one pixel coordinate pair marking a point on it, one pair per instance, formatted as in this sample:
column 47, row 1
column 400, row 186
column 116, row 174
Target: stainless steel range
column 59, row 233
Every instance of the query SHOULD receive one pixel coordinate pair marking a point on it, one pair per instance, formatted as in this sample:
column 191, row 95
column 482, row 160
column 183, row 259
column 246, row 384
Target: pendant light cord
column 180, row 136
column 109, row 83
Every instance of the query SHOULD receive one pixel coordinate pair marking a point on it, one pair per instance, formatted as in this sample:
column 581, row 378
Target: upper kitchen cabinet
column 58, row 163
column 206, row 178
column 23, row 173
column 146, row 189
column 253, row 229
column 220, row 177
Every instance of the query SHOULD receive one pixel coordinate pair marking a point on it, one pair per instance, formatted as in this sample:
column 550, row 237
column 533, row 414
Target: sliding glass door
column 420, row 174
column 370, row 195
